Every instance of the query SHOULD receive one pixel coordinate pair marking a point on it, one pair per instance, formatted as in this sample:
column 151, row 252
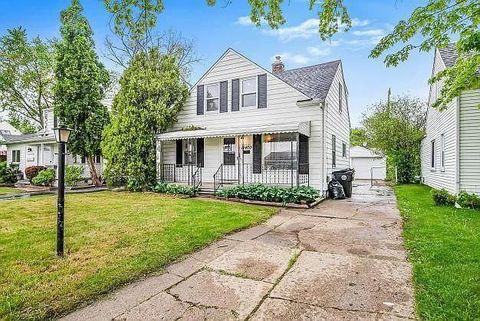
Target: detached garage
column 368, row 164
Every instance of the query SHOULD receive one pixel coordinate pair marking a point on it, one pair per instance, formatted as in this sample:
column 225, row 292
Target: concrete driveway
column 343, row 260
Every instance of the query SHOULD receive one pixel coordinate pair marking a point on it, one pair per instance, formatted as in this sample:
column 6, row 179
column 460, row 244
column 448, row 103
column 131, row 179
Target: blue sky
column 213, row 30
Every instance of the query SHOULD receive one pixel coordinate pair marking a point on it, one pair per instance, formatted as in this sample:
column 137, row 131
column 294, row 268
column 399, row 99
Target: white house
column 244, row 124
column 40, row 149
column 6, row 129
column 368, row 164
column 451, row 148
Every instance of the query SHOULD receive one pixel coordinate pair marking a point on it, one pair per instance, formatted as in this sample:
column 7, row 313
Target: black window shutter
column 200, row 152
column 262, row 91
column 257, row 154
column 235, row 94
column 223, row 96
column 200, row 100
column 303, row 154
column 179, row 153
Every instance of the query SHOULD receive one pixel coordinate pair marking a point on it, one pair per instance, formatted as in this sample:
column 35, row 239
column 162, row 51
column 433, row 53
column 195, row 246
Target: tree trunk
column 93, row 171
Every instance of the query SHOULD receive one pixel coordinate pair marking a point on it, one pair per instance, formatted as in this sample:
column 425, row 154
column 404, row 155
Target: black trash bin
column 345, row 177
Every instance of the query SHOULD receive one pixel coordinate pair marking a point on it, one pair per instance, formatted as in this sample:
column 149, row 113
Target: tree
column 397, row 129
column 358, row 136
column 81, row 81
column 26, row 78
column 436, row 23
column 151, row 94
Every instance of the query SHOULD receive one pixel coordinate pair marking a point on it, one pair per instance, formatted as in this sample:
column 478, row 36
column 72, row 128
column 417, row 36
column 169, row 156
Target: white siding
column 438, row 123
column 337, row 123
column 281, row 108
column 470, row 141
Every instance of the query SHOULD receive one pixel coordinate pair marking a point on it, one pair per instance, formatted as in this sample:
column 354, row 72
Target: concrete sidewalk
column 342, row 260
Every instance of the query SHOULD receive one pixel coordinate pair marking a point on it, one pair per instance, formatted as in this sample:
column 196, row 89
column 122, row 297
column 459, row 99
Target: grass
column 444, row 248
column 8, row 190
column 111, row 239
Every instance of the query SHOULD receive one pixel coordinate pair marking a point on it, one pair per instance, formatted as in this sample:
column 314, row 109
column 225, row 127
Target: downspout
column 457, row 146
column 322, row 106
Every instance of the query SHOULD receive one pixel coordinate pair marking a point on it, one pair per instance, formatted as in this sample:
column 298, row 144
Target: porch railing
column 197, row 179
column 172, row 173
column 248, row 174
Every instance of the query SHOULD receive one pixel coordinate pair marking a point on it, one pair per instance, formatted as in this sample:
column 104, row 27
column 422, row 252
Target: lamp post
column 61, row 136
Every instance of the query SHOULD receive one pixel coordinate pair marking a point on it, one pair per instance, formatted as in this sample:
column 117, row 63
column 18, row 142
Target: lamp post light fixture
column 62, row 134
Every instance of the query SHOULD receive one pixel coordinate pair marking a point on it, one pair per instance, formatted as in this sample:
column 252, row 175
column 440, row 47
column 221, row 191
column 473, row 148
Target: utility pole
column 389, row 93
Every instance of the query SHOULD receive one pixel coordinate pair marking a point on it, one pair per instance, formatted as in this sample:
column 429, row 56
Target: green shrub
column 44, row 178
column 175, row 189
column 443, row 198
column 260, row 192
column 8, row 174
column 32, row 171
column 73, row 174
column 469, row 200
column 133, row 185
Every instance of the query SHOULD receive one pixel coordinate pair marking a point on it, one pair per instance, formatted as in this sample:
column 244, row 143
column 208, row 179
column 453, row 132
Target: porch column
column 40, row 156
column 297, row 136
column 159, row 160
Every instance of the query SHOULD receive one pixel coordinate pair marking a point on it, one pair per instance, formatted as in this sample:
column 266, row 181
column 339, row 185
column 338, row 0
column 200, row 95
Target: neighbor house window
column 98, row 159
column 442, row 152
column 432, row 154
column 334, row 151
column 229, row 151
column 15, row 156
column 249, row 92
column 340, row 97
column 213, row 94
column 344, row 149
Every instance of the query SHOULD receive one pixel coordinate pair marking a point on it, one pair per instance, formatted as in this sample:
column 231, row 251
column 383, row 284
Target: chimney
column 277, row 65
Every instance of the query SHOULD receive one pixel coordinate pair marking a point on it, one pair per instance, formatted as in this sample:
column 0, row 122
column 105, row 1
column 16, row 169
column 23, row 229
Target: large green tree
column 151, row 94
column 434, row 24
column 26, row 79
column 396, row 128
column 81, row 81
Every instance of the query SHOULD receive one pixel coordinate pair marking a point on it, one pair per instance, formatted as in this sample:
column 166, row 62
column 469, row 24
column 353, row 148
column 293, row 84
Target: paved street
column 342, row 260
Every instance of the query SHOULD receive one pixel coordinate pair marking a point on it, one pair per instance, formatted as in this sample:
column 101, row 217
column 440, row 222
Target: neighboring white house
column 451, row 148
column 368, row 164
column 245, row 124
column 40, row 149
column 6, row 129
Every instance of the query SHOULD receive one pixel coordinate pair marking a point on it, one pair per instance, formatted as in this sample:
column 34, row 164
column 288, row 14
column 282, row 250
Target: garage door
column 364, row 166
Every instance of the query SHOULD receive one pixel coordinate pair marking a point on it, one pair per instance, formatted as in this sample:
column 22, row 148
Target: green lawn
column 111, row 239
column 8, row 190
column 444, row 248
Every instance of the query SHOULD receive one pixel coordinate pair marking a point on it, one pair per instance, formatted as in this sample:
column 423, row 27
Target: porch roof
column 302, row 128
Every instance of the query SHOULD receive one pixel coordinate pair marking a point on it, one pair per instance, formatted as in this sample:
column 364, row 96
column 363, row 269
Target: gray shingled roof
column 12, row 139
column 449, row 54
column 313, row 81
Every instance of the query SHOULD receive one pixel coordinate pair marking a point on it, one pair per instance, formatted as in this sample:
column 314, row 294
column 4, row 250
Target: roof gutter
column 309, row 102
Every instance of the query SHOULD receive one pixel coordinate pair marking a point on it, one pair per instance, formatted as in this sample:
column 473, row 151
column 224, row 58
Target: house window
column 84, row 159
column 334, row 151
column 340, row 97
column 213, row 94
column 229, row 151
column 280, row 151
column 344, row 149
column 15, row 156
column 432, row 154
column 249, row 92
column 442, row 152
column 98, row 159
column 189, row 152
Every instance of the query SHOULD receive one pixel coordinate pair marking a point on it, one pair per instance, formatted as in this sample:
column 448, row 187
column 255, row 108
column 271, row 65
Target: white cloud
column 359, row 23
column 294, row 59
column 318, row 52
column 304, row 30
column 369, row 32
column 244, row 21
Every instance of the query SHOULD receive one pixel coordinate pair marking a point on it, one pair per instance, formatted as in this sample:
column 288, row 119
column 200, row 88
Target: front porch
column 271, row 158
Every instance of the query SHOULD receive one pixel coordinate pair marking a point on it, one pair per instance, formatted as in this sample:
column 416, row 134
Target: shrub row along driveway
column 341, row 260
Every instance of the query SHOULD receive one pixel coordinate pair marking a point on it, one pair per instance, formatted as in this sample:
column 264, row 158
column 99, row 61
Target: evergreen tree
column 81, row 81
column 151, row 94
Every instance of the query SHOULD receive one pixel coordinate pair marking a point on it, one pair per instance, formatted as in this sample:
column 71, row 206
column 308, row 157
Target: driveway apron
column 343, row 260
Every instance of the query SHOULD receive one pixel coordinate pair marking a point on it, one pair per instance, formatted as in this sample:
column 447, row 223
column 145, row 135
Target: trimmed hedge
column 32, row 171
column 469, row 200
column 44, row 178
column 267, row 193
column 443, row 198
column 175, row 189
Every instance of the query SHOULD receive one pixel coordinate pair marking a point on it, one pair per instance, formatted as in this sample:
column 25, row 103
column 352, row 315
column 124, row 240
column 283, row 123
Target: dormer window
column 213, row 97
column 249, row 92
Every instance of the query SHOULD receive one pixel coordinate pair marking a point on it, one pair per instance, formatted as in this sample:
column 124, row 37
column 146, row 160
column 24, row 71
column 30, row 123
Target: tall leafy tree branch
column 81, row 81
column 26, row 79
